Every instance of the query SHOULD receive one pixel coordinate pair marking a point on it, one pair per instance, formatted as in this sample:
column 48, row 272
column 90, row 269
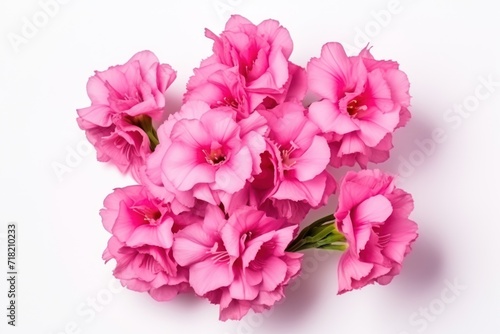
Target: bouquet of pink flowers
column 224, row 182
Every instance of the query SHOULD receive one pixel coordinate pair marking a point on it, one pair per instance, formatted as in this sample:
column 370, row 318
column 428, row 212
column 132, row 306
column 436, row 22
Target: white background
column 447, row 48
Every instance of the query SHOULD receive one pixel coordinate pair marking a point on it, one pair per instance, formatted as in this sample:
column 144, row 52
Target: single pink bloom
column 136, row 218
column 122, row 98
column 373, row 216
column 239, row 263
column 363, row 101
column 301, row 156
column 133, row 89
column 126, row 145
column 147, row 268
column 211, row 154
column 224, row 88
column 142, row 229
column 260, row 55
column 152, row 176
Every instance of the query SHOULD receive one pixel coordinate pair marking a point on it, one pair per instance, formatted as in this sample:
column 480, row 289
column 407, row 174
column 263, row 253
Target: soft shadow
column 306, row 292
column 173, row 98
column 418, row 128
column 423, row 268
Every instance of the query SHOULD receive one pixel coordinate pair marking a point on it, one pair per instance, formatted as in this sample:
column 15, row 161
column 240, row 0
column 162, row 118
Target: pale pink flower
column 239, row 263
column 125, row 99
column 259, row 54
column 142, row 229
column 364, row 101
column 373, row 216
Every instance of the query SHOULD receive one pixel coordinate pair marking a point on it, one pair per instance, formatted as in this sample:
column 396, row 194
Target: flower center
column 151, row 216
column 230, row 102
column 286, row 159
column 354, row 107
column 215, row 157
column 218, row 253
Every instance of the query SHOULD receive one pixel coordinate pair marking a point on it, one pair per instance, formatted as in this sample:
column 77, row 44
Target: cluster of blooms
column 224, row 182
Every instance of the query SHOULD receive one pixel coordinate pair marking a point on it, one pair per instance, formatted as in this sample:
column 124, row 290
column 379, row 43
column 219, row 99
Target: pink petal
column 240, row 289
column 399, row 85
column 236, row 22
column 191, row 245
column 310, row 191
column 350, row 269
column 351, row 143
column 164, row 293
column 327, row 116
column 277, row 35
column 313, row 161
column 126, row 222
column 209, row 275
column 273, row 273
column 231, row 176
column 160, row 235
column 191, row 132
column 182, row 166
column 99, row 115
column 328, row 75
column 220, row 125
column 236, row 310
column 375, row 209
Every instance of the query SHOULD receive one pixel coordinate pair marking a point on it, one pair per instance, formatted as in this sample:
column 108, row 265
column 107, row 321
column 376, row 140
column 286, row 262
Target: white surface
column 444, row 46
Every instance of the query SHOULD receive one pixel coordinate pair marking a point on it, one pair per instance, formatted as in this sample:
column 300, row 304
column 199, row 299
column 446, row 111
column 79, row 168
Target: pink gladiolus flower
column 259, row 54
column 125, row 99
column 364, row 101
column 147, row 268
column 239, row 263
column 141, row 243
column 152, row 176
column 373, row 216
column 301, row 154
column 210, row 154
column 124, row 144
column 223, row 89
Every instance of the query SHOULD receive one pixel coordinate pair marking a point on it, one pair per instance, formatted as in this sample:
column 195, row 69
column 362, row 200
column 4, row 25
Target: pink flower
column 141, row 243
column 211, row 153
column 124, row 144
column 239, row 263
column 147, row 268
column 300, row 154
column 151, row 174
column 133, row 89
column 364, row 101
column 223, row 89
column 125, row 100
column 259, row 53
column 373, row 216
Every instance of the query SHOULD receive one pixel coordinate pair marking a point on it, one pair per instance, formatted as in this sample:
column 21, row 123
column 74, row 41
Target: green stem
column 153, row 139
column 320, row 234
column 146, row 124
column 305, row 231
